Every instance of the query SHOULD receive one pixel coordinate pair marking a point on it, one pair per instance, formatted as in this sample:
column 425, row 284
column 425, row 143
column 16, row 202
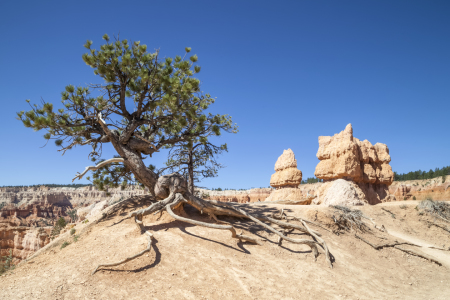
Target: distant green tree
column 73, row 215
column 61, row 222
column 311, row 180
column 6, row 262
column 422, row 174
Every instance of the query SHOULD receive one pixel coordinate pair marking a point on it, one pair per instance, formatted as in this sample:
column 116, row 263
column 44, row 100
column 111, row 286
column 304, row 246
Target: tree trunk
column 134, row 162
column 191, row 172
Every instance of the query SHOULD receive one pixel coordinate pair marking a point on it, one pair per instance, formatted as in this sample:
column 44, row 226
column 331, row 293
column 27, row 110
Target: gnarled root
column 177, row 196
column 397, row 244
column 180, row 199
column 422, row 255
column 391, row 244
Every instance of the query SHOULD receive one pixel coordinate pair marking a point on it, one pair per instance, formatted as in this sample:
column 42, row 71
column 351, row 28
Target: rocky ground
column 191, row 262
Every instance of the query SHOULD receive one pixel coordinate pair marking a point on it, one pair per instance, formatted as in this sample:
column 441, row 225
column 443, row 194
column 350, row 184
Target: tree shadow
column 117, row 222
column 240, row 244
column 144, row 268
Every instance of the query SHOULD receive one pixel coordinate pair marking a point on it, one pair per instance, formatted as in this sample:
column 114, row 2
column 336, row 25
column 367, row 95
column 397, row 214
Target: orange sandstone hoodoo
column 362, row 167
column 286, row 179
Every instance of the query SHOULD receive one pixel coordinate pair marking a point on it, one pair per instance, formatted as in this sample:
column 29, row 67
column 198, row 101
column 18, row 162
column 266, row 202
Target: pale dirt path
column 190, row 262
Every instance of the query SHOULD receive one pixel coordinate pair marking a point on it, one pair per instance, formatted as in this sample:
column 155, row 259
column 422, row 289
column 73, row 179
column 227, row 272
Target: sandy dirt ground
column 191, row 262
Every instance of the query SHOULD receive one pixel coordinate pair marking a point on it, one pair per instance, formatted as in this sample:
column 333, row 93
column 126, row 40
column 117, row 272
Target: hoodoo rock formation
column 286, row 173
column 286, row 179
column 343, row 156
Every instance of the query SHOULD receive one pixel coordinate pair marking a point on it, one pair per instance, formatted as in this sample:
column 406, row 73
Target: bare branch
column 95, row 168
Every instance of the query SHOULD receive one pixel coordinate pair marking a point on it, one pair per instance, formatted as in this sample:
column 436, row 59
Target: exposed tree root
column 215, row 226
column 388, row 211
column 437, row 248
column 391, row 244
column 312, row 223
column 397, row 244
column 437, row 225
column 322, row 242
column 423, row 255
column 173, row 189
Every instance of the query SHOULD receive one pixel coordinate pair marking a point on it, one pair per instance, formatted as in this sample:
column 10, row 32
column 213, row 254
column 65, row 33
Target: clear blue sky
column 287, row 71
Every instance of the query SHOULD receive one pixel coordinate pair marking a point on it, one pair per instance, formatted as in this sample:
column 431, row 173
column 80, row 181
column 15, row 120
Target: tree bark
column 191, row 172
column 132, row 159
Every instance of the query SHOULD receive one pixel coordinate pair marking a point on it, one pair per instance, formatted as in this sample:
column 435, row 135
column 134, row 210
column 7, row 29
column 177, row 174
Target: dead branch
column 422, row 255
column 437, row 225
column 392, row 214
column 322, row 242
column 310, row 222
column 288, row 225
column 347, row 218
column 380, row 228
column 95, row 168
column 440, row 209
column 391, row 244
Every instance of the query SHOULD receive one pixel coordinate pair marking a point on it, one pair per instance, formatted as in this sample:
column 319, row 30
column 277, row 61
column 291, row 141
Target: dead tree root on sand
column 397, row 244
column 176, row 198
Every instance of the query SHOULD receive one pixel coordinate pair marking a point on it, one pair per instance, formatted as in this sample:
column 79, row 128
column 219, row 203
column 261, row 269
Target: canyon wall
column 434, row 188
column 29, row 213
column 246, row 196
column 22, row 241
column 74, row 197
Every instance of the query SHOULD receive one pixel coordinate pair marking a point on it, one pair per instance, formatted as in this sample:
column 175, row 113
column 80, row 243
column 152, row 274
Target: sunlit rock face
column 343, row 156
column 29, row 213
column 286, row 180
column 286, row 172
column 22, row 241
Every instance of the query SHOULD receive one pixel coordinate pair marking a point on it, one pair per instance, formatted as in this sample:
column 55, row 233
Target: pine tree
column 145, row 103
column 195, row 161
